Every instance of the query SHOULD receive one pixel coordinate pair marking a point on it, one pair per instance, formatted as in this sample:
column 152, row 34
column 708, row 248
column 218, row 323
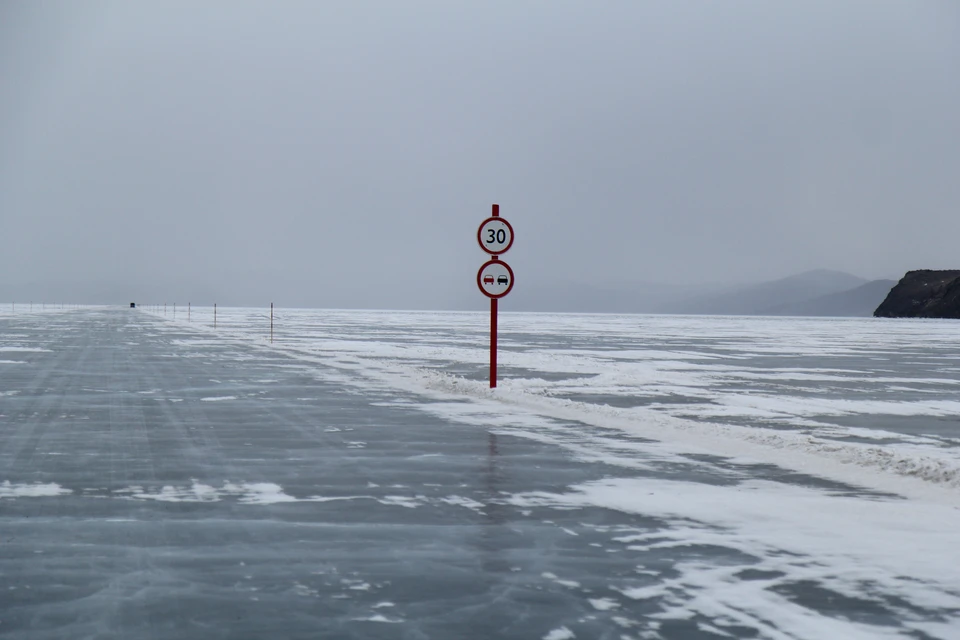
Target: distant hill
column 813, row 293
column 923, row 294
column 762, row 298
column 629, row 297
column 859, row 302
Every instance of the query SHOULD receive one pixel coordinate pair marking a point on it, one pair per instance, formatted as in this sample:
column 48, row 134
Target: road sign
column 495, row 235
column 495, row 279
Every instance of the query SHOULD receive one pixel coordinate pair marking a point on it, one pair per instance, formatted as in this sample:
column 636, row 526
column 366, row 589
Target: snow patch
column 36, row 490
column 253, row 493
column 378, row 617
column 603, row 604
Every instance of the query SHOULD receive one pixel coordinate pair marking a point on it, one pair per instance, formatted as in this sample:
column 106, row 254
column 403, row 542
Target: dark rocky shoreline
column 923, row 293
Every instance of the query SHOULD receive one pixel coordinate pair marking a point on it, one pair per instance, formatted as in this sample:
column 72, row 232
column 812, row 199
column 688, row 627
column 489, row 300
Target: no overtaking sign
column 495, row 279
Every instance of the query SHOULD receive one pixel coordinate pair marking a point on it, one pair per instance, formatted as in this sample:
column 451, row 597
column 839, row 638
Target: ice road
column 634, row 478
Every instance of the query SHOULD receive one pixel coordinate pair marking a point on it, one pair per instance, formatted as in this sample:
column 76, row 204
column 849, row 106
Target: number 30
column 498, row 236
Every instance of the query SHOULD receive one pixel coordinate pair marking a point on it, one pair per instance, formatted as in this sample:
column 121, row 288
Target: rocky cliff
column 923, row 294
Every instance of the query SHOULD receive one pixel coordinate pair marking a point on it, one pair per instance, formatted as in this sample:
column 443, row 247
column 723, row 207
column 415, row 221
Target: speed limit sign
column 495, row 235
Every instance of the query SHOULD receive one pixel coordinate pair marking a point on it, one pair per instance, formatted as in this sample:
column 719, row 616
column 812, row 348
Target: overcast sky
column 343, row 153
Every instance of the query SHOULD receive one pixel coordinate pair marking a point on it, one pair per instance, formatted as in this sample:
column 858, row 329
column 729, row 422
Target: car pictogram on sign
column 495, row 278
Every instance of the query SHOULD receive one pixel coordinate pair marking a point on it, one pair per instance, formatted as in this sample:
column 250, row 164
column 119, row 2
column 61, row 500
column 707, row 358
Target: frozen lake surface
column 632, row 477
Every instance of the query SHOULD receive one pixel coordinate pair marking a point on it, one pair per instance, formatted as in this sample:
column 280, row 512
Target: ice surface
column 871, row 402
column 801, row 386
column 640, row 477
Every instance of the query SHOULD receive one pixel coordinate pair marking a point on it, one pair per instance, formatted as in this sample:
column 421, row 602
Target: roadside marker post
column 495, row 277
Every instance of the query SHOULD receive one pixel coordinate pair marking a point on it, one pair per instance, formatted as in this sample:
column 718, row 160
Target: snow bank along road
column 161, row 480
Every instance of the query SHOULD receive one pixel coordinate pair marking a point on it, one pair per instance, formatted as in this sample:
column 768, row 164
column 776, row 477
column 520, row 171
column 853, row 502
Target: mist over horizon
column 343, row 156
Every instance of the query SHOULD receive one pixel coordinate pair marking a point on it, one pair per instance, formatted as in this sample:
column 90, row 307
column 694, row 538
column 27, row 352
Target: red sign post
column 495, row 277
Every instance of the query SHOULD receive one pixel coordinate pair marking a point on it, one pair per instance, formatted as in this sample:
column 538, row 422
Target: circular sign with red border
column 495, row 235
column 495, row 278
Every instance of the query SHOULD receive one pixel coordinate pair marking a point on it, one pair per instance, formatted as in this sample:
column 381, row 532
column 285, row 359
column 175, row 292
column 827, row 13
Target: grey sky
column 343, row 153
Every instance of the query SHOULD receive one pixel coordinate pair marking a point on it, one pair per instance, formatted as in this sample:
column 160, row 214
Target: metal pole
column 493, row 325
column 214, row 315
column 271, row 323
column 174, row 310
column 493, row 343
column 188, row 312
